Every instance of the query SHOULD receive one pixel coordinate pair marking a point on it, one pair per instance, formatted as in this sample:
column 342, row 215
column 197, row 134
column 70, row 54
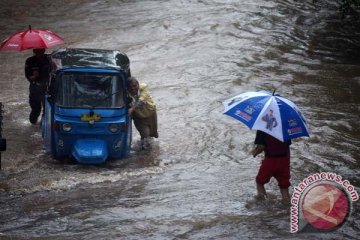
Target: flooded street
column 198, row 181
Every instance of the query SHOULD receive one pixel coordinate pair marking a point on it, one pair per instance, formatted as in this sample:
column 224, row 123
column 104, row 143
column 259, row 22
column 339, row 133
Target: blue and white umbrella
column 270, row 113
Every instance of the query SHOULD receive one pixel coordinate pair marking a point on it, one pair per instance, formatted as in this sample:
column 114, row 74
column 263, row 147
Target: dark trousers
column 36, row 101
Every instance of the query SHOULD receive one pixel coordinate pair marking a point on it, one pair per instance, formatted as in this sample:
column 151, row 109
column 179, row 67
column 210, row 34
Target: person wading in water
column 143, row 111
column 37, row 73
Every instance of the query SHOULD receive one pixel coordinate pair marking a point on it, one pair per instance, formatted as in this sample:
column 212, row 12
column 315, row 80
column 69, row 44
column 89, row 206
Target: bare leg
column 146, row 143
column 261, row 190
column 285, row 195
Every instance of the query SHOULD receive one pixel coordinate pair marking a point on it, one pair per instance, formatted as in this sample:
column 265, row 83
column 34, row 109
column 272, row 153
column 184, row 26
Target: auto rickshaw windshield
column 89, row 90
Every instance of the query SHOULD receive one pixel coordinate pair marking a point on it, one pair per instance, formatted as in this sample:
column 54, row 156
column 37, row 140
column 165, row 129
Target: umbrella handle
column 30, row 27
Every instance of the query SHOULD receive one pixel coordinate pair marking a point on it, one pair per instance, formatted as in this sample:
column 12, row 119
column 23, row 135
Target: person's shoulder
column 261, row 134
column 30, row 58
column 143, row 85
column 30, row 61
column 260, row 138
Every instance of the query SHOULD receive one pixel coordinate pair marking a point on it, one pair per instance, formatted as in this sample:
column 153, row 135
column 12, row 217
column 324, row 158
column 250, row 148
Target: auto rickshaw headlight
column 67, row 127
column 113, row 128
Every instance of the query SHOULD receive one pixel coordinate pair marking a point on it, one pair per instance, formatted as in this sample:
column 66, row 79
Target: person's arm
column 134, row 104
column 138, row 103
column 29, row 73
column 257, row 150
column 260, row 143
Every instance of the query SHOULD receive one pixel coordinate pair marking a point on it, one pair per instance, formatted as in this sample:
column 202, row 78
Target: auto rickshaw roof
column 89, row 58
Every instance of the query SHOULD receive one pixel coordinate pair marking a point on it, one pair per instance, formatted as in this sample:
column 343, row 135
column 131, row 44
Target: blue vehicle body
column 86, row 106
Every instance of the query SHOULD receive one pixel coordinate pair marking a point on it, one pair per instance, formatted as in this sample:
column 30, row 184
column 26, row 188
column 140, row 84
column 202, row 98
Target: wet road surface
column 197, row 182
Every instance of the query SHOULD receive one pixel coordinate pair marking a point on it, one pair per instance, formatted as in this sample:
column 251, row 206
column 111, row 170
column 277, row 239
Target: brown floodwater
column 198, row 180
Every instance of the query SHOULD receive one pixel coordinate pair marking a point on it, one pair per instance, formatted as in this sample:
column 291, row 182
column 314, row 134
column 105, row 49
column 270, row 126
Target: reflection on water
column 198, row 180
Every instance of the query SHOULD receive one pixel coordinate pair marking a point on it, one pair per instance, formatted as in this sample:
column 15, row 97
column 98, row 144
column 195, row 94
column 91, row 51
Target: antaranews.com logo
column 321, row 202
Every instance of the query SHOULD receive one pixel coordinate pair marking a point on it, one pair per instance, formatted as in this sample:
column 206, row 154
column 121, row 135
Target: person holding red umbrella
column 37, row 69
column 37, row 66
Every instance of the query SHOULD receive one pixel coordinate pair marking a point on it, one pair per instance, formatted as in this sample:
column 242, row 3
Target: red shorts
column 277, row 167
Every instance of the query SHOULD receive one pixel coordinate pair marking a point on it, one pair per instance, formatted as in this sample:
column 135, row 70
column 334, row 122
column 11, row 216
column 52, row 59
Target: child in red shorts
column 275, row 164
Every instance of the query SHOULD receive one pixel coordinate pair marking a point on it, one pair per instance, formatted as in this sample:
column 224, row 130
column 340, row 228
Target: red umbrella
column 29, row 39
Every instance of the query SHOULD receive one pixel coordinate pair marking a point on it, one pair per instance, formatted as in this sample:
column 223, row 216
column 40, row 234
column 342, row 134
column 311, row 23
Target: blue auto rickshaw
column 86, row 106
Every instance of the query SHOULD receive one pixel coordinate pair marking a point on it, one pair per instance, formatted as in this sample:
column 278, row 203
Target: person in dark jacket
column 37, row 73
column 275, row 164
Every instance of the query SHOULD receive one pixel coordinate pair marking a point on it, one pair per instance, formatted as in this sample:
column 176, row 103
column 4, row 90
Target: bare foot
column 261, row 197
